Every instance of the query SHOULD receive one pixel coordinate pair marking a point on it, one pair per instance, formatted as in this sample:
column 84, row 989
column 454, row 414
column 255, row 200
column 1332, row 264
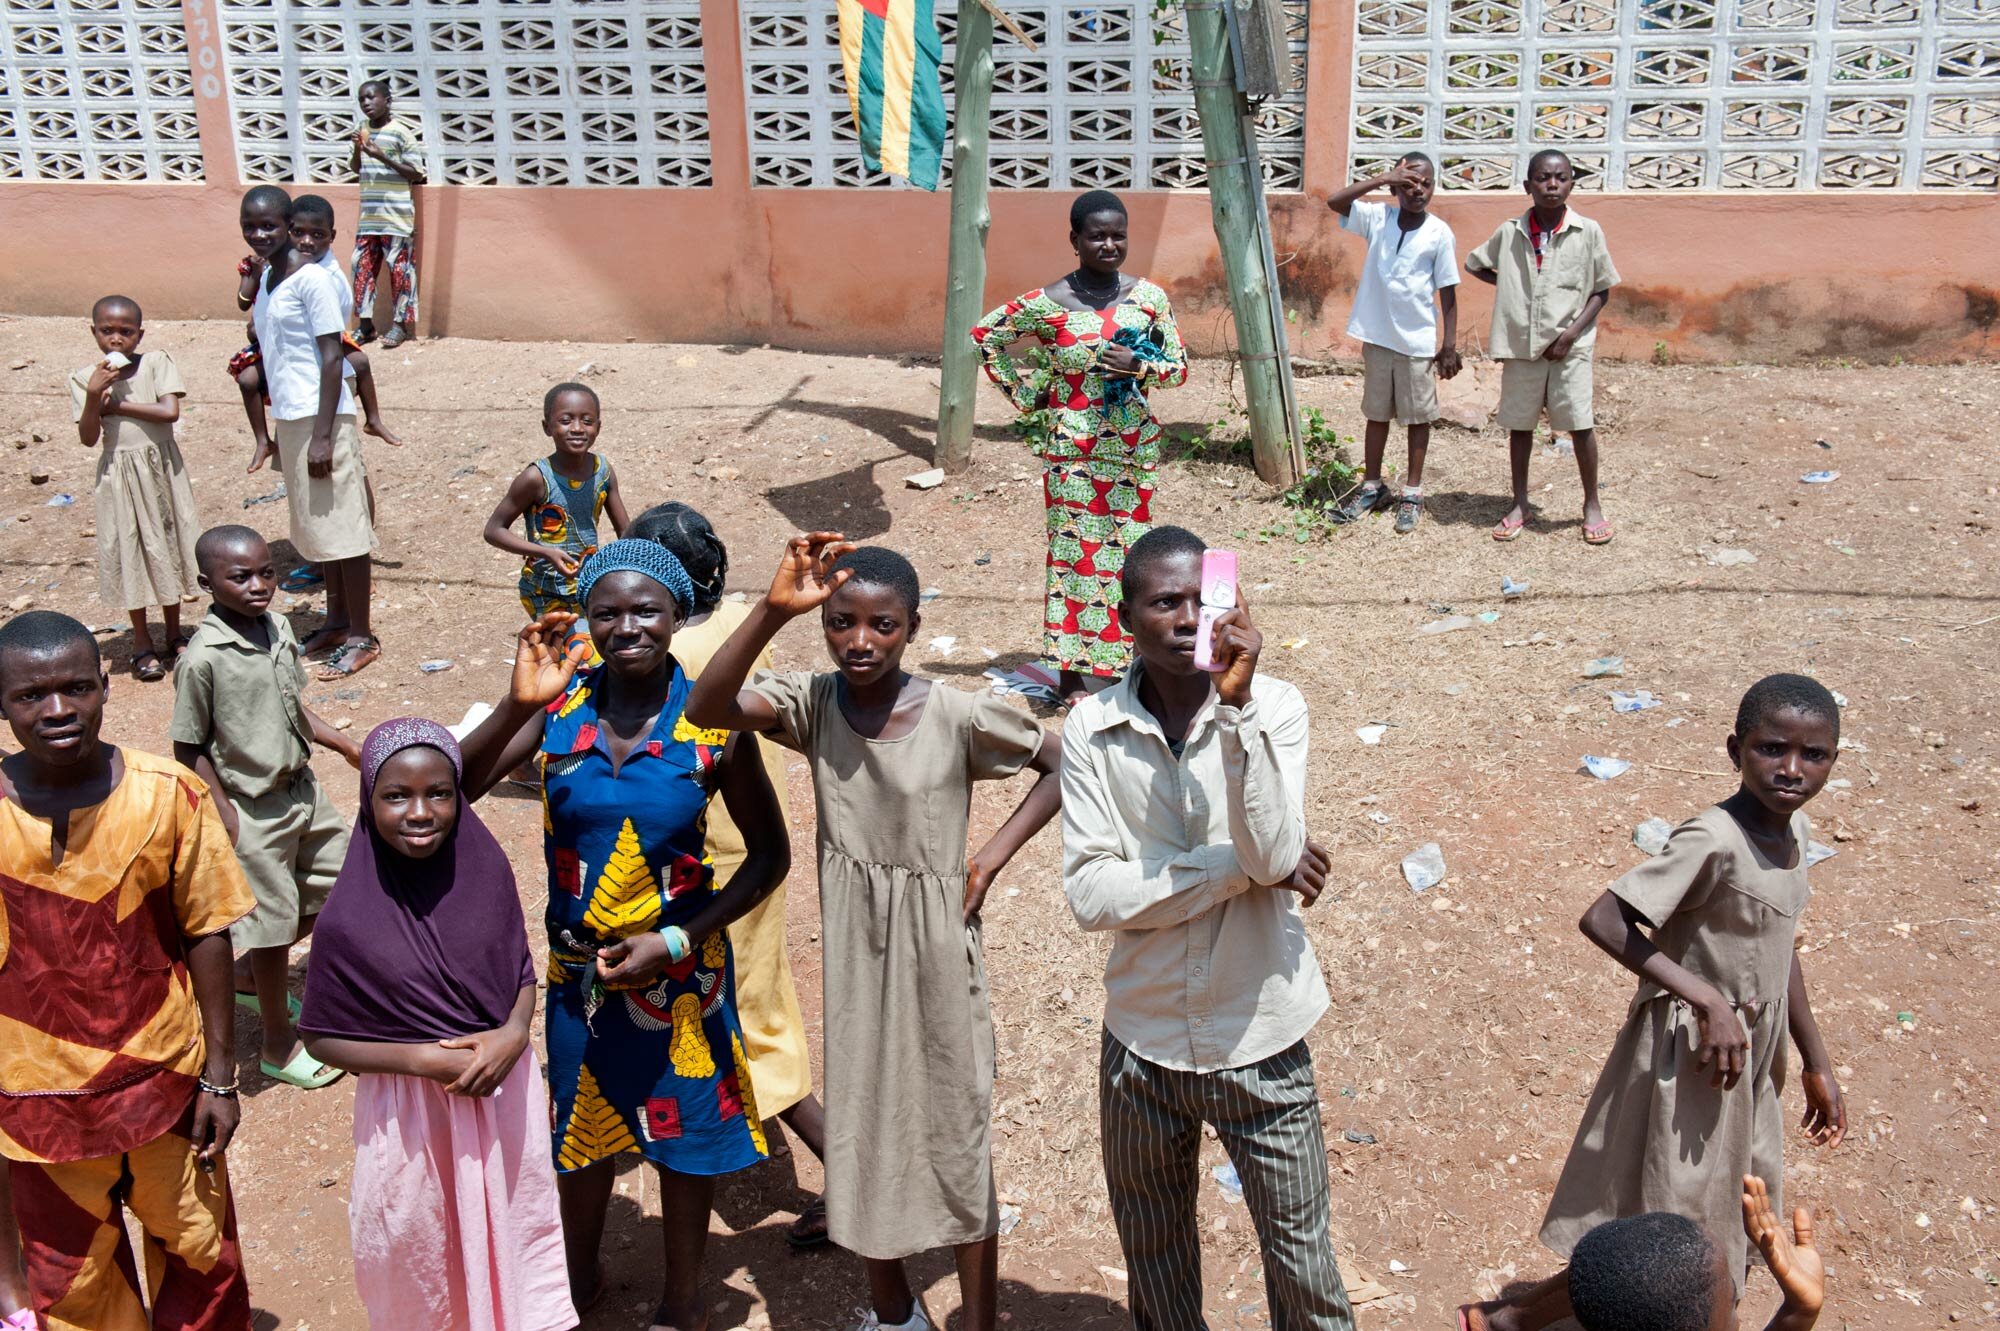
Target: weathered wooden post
column 1236, row 203
column 965, row 284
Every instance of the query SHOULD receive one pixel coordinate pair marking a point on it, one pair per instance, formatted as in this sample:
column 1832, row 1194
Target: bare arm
column 1825, row 1118
column 1580, row 325
column 614, row 503
column 493, row 1053
column 212, row 968
column 1613, row 925
column 804, row 580
column 544, row 664
column 525, row 491
column 1486, row 275
column 319, row 452
column 327, row 737
column 1343, row 200
column 164, row 412
column 1447, row 359
column 396, row 1060
column 1042, row 802
column 195, row 759
column 90, row 425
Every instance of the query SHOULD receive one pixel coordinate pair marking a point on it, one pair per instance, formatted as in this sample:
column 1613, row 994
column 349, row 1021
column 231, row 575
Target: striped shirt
column 387, row 206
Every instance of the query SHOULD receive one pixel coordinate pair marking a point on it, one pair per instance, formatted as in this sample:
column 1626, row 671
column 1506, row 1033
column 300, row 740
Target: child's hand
column 1723, row 1040
column 979, row 878
column 351, row 752
column 1308, row 879
column 1560, row 348
column 545, row 660
column 634, row 961
column 805, row 578
column 1399, row 175
column 1236, row 644
column 1447, row 363
column 559, row 560
column 1795, row 1264
column 1825, row 1120
column 100, row 382
column 494, row 1054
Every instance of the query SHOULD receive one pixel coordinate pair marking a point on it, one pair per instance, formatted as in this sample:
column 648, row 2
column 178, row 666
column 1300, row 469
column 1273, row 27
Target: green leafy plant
column 1330, row 473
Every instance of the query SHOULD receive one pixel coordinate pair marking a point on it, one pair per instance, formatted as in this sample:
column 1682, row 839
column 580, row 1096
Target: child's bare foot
column 381, row 431
column 261, row 454
column 324, row 639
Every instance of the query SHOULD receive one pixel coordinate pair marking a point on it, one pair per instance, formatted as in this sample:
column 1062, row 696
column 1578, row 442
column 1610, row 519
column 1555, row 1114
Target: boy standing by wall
column 389, row 158
column 1411, row 269
column 1553, row 275
column 117, row 1082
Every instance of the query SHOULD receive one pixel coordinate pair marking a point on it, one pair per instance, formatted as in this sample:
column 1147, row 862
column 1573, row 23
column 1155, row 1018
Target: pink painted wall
column 1868, row 276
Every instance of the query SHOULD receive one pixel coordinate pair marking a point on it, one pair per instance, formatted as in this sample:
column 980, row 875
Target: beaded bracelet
column 207, row 1087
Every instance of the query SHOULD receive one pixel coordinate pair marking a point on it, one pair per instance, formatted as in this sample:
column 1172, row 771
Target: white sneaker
column 919, row 1321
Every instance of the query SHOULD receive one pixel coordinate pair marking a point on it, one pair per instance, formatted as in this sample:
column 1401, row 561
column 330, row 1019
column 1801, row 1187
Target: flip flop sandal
column 340, row 664
column 146, row 668
column 304, row 1071
column 1597, row 533
column 809, row 1230
column 250, row 1001
column 1509, row 529
column 301, row 578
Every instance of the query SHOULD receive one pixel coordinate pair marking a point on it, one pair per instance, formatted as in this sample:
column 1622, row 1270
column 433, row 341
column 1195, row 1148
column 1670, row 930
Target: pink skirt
column 453, row 1212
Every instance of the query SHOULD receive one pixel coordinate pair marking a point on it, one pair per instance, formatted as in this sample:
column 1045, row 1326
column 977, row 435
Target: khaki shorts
column 1398, row 388
column 1560, row 386
column 291, row 844
column 329, row 513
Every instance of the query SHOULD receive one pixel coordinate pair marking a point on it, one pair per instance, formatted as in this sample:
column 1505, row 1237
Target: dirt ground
column 1469, row 1021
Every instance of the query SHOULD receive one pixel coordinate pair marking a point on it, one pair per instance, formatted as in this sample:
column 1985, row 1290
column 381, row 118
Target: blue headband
column 647, row 557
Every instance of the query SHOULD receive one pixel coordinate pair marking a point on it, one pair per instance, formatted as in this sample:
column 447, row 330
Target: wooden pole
column 965, row 283
column 1233, row 201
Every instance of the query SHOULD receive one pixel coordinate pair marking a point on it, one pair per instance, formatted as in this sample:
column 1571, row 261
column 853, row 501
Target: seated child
column 558, row 500
column 1688, row 1102
column 1410, row 271
column 262, row 216
column 240, row 721
column 422, row 984
column 894, row 758
column 120, row 1096
column 1553, row 275
column 146, row 523
column 1662, row 1272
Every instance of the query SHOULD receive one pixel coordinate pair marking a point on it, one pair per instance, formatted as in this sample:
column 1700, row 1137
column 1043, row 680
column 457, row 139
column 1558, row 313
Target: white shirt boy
column 1395, row 304
column 305, row 307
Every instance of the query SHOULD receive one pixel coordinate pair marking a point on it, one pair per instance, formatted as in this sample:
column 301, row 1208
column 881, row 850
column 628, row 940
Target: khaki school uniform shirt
column 1207, row 969
column 1532, row 306
column 242, row 705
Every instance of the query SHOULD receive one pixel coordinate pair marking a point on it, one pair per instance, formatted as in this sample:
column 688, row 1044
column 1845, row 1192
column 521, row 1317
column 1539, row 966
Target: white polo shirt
column 305, row 307
column 1395, row 302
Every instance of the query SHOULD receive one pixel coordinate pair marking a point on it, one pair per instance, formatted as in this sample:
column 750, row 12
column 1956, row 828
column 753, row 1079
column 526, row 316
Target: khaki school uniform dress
column 767, row 1002
column 909, row 1033
column 146, row 519
column 1656, row 1136
column 240, row 704
column 1532, row 304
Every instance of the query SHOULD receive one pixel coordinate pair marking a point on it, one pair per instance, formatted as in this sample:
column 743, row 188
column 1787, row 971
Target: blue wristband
column 678, row 943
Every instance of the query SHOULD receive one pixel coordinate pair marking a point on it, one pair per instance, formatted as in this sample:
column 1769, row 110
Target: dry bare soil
column 1468, row 1022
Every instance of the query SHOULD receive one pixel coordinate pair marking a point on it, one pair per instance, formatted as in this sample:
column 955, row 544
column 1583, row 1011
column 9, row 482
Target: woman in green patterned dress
column 1103, row 340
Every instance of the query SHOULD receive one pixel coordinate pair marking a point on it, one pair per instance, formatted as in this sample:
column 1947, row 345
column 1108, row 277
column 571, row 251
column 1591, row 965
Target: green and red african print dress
column 1100, row 455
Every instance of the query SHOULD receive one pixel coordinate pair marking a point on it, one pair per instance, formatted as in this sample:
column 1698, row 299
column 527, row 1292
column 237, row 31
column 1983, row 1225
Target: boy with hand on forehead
column 1553, row 275
column 240, row 722
column 117, row 1089
column 1411, row 270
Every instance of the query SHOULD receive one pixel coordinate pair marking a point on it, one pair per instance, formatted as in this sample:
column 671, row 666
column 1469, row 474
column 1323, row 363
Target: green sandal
column 250, row 1001
column 304, row 1071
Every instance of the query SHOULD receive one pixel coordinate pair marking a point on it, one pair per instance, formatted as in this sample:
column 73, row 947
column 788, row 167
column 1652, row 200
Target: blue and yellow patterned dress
column 658, row 1070
column 566, row 518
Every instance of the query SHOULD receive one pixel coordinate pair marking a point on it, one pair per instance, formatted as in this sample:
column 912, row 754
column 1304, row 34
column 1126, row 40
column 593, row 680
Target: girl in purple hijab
column 422, row 984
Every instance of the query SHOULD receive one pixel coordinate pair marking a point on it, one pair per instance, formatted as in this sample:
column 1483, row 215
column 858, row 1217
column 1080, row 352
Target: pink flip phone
column 1218, row 597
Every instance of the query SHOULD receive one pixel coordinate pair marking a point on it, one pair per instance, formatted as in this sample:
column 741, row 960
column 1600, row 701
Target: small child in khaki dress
column 1687, row 1108
column 909, row 1164
column 146, row 525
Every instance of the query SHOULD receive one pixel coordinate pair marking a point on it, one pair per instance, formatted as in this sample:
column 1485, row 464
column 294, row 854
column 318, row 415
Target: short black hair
column 1156, row 546
column 118, row 303
column 45, row 633
column 692, row 540
column 1090, row 204
column 266, row 196
column 879, row 566
column 1425, row 158
column 1786, row 693
column 549, row 398
column 1651, row 1272
column 312, row 205
column 383, row 84
column 216, row 540
column 1549, row 152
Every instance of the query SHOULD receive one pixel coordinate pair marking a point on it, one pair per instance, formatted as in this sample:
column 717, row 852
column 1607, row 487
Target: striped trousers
column 1267, row 1117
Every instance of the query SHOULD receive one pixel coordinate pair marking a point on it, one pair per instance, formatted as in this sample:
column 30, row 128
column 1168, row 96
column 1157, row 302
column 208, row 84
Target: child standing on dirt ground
column 128, row 401
column 1410, row 272
column 389, row 159
column 909, row 1160
column 1688, row 1104
column 1553, row 274
column 240, row 722
column 559, row 500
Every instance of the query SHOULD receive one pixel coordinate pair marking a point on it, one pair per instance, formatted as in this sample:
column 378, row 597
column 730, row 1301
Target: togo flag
column 892, row 53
